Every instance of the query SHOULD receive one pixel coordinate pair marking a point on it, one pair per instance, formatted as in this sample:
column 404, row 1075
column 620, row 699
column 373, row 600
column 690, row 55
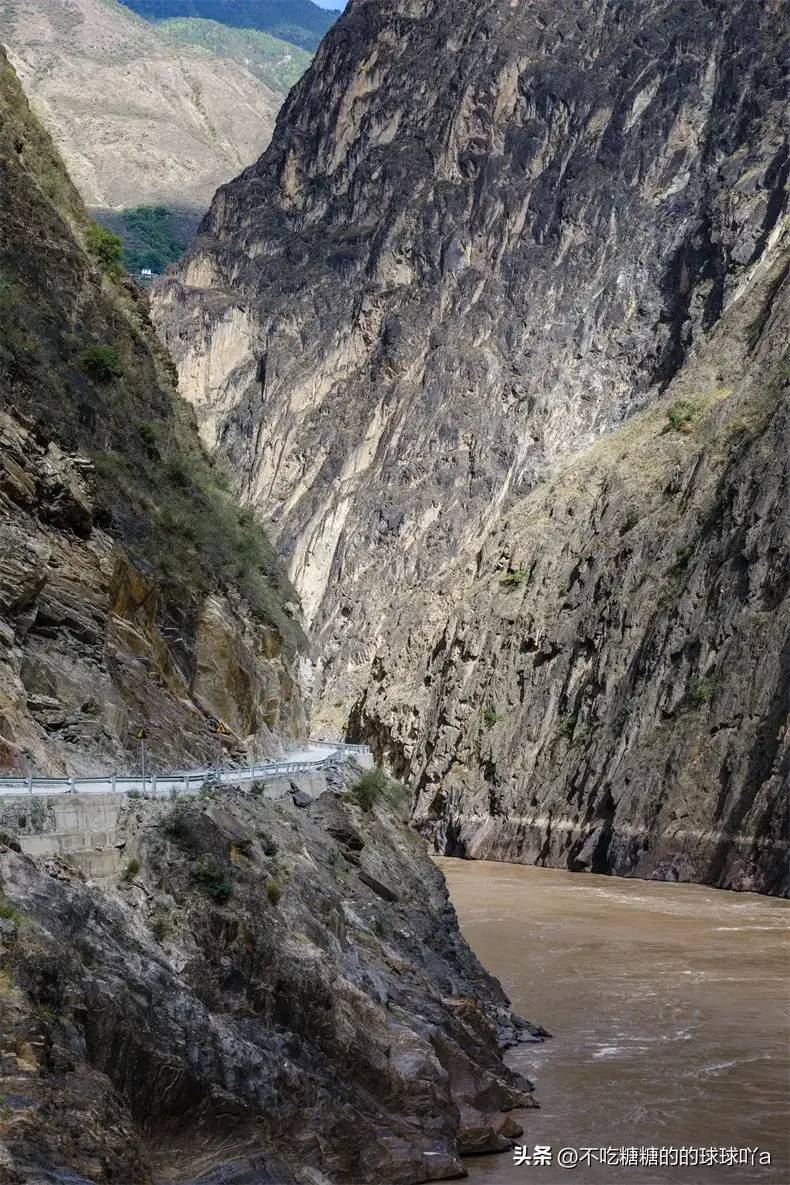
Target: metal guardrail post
column 71, row 786
column 153, row 785
column 30, row 785
column 186, row 783
column 112, row 784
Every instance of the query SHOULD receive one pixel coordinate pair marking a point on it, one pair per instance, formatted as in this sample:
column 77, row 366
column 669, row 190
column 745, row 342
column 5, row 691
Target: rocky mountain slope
column 139, row 116
column 272, row 994
column 483, row 237
column 276, row 63
column 132, row 589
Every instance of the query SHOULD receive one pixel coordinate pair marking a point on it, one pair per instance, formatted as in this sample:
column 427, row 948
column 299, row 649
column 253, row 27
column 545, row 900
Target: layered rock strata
column 132, row 592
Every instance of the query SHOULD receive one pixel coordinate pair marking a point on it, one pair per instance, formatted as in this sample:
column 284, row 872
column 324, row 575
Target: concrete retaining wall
column 83, row 828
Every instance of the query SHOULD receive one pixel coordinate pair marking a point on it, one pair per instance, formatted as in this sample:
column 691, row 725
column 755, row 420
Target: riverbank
column 669, row 1011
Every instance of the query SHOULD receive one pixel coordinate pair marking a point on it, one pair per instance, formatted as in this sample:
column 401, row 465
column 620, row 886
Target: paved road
column 298, row 761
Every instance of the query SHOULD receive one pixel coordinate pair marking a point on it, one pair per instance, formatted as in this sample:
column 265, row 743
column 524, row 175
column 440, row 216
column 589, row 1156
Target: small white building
column 146, row 271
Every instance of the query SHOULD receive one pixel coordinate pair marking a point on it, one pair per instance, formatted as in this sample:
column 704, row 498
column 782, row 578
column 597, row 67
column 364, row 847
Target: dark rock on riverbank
column 248, row 1006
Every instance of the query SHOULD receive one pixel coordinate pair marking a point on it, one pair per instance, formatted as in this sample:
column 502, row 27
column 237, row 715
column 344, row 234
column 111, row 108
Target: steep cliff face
column 479, row 235
column 483, row 236
column 611, row 693
column 132, row 590
column 272, row 994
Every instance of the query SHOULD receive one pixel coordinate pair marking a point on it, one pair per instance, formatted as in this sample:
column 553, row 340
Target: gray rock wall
column 611, row 692
column 484, row 236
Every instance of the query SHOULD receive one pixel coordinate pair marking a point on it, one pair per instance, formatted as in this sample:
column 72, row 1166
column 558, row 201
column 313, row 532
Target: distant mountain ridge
column 298, row 21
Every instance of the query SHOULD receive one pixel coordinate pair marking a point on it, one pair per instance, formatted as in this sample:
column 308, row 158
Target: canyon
column 493, row 338
column 460, row 430
column 247, row 982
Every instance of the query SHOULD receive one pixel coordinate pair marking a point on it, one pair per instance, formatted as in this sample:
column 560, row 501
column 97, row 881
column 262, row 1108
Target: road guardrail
column 173, row 783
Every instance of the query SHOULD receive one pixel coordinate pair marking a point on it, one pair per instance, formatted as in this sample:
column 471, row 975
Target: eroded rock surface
column 480, row 234
column 611, row 692
column 249, row 1005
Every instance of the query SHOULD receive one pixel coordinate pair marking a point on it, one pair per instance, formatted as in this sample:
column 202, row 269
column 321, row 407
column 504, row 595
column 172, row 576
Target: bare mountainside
column 484, row 236
column 275, row 990
column 138, row 116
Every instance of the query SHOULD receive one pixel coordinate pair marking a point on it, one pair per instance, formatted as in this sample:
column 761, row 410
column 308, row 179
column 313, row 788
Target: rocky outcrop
column 132, row 591
column 485, row 236
column 481, row 233
column 273, row 993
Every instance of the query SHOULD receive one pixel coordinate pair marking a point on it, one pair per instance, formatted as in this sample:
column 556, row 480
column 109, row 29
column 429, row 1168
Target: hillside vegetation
column 297, row 21
column 152, row 236
column 90, row 369
column 143, row 115
column 277, row 63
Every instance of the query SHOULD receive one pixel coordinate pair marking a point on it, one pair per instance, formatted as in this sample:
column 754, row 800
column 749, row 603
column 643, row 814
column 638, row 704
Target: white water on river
column 669, row 1007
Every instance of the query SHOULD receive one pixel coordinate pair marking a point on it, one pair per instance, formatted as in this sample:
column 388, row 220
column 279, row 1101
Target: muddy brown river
column 669, row 1007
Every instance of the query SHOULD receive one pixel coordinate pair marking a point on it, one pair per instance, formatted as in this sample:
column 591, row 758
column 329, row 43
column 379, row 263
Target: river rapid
column 669, row 1007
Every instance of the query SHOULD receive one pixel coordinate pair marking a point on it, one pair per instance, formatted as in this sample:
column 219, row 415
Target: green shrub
column 154, row 238
column 8, row 294
column 369, row 788
column 516, row 578
column 681, row 414
column 8, row 912
column 701, row 691
column 106, row 248
column 211, row 880
column 631, row 519
column 670, row 591
column 153, row 432
column 101, row 363
column 566, row 727
column 130, row 871
column 160, row 927
column 175, row 825
column 273, row 891
column 491, row 717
